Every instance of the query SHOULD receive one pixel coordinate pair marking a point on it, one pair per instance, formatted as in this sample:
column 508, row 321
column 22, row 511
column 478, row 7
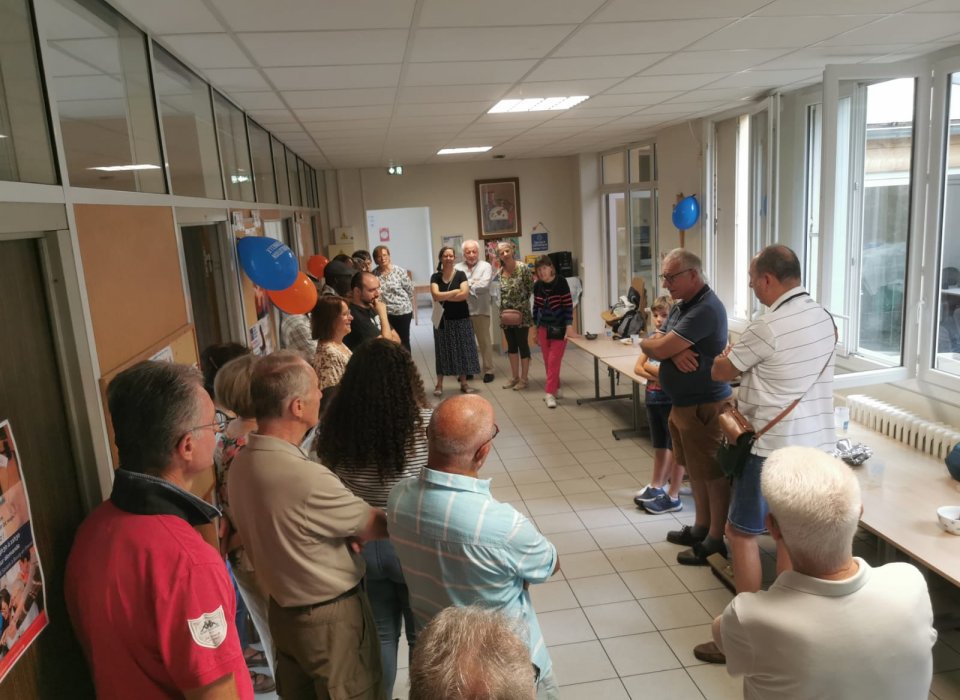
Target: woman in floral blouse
column 330, row 320
column 396, row 290
column 516, row 288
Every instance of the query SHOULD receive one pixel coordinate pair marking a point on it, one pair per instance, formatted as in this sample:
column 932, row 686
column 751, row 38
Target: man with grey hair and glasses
column 471, row 653
column 833, row 627
column 303, row 529
column 149, row 598
column 479, row 275
column 457, row 544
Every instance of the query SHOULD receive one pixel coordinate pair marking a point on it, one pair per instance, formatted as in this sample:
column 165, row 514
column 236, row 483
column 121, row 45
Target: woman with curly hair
column 372, row 436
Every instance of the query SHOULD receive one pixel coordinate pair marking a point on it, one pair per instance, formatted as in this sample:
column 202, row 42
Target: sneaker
column 551, row 401
column 697, row 555
column 647, row 493
column 663, row 504
column 684, row 536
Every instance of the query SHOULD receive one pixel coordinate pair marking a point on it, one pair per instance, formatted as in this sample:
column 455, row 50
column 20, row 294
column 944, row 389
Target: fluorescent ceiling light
column 116, row 168
column 538, row 104
column 470, row 149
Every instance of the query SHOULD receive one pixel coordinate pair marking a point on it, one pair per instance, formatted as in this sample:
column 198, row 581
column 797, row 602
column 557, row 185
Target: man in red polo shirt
column 150, row 600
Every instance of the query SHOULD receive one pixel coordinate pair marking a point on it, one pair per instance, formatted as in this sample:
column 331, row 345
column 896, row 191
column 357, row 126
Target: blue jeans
column 390, row 601
column 748, row 507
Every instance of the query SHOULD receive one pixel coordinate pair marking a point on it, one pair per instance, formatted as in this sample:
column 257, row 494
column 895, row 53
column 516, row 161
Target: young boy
column 654, row 497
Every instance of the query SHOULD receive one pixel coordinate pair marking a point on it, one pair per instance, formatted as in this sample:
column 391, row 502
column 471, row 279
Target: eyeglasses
column 496, row 431
column 669, row 278
column 218, row 425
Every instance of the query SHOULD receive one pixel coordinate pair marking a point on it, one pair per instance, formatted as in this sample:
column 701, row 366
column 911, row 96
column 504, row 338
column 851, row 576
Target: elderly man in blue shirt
column 457, row 544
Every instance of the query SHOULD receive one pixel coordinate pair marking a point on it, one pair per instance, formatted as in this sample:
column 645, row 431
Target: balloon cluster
column 272, row 265
column 686, row 213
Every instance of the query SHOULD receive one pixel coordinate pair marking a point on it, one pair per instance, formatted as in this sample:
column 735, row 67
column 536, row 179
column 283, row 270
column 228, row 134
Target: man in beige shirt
column 302, row 530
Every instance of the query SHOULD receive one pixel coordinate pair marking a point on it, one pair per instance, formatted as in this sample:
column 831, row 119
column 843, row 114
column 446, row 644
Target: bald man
column 457, row 544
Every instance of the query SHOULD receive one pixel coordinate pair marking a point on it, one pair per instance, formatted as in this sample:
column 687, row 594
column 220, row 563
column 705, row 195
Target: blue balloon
column 686, row 213
column 268, row 263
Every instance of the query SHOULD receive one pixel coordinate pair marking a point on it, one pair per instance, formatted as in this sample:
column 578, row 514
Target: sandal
column 438, row 392
column 520, row 385
column 467, row 389
column 258, row 658
column 262, row 683
column 512, row 383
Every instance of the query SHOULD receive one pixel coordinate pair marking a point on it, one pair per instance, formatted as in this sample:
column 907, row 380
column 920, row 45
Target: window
column 188, row 129
column 266, row 189
column 946, row 356
column 293, row 178
column 26, row 150
column 101, row 80
column 630, row 218
column 234, row 156
column 302, row 173
column 280, row 170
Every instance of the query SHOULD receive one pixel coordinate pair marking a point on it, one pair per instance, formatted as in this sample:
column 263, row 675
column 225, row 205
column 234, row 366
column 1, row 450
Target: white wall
column 592, row 268
column 548, row 191
column 679, row 169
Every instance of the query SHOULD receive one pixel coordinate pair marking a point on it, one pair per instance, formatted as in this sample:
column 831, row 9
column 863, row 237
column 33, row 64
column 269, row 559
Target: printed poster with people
column 22, row 614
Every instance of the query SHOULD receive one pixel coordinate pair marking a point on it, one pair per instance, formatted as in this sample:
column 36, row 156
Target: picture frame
column 498, row 207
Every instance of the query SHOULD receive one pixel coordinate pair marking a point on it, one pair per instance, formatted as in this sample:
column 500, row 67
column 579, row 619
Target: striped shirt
column 552, row 303
column 459, row 546
column 780, row 355
column 364, row 481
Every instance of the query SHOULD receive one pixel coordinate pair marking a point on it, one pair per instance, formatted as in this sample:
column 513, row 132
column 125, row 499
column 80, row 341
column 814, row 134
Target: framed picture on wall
column 498, row 207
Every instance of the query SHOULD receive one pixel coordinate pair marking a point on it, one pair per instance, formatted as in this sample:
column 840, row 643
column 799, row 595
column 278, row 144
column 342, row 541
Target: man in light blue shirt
column 457, row 544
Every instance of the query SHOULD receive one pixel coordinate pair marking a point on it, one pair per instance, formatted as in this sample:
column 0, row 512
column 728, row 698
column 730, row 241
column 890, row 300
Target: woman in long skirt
column 453, row 339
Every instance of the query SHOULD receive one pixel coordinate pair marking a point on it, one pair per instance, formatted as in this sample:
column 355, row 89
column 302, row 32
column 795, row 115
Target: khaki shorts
column 695, row 431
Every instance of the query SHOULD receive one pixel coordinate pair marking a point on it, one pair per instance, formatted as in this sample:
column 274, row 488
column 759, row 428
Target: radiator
column 935, row 439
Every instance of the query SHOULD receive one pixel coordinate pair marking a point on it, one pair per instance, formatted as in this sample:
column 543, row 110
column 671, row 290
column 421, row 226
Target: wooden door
column 32, row 399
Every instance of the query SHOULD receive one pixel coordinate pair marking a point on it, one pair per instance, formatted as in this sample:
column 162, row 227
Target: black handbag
column 556, row 332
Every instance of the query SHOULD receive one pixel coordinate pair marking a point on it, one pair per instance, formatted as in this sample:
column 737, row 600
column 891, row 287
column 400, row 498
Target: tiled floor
column 621, row 618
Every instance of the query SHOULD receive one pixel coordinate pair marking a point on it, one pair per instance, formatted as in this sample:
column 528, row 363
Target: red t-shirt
column 152, row 605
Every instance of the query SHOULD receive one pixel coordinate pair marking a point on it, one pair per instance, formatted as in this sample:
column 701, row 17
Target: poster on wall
column 539, row 242
column 455, row 242
column 490, row 250
column 22, row 590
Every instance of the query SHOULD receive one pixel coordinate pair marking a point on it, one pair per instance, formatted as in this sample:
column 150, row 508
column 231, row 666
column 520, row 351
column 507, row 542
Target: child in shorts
column 662, row 494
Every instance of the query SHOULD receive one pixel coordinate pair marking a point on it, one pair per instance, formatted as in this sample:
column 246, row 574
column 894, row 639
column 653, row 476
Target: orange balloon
column 298, row 298
column 316, row 265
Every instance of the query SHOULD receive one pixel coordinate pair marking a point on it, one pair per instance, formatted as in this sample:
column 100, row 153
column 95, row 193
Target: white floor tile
column 665, row 685
column 565, row 627
column 542, row 489
column 599, row 517
column 580, row 663
column 607, row 690
column 652, row 583
column 714, row 601
column 552, row 595
column 640, row 653
column 672, row 611
column 585, row 564
column 600, row 590
column 559, row 522
column 641, row 556
column 683, row 639
column 618, row 619
column 715, row 683
column 589, row 501
column 573, row 543
column 618, row 536
column 548, row 506
column 575, row 486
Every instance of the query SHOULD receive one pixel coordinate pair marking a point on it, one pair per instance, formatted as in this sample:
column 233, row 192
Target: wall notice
column 22, row 613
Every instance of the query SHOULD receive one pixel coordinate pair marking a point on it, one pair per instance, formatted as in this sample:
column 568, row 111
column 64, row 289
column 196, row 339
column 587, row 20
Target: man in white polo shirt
column 784, row 355
column 479, row 274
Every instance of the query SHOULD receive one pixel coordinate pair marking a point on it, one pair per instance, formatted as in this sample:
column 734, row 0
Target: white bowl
column 949, row 517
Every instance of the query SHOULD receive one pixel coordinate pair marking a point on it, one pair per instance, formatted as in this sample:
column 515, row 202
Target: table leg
column 596, row 386
column 639, row 423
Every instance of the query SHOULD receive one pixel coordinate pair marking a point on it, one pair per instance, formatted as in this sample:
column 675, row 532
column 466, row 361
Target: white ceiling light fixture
column 537, row 104
column 118, row 168
column 469, row 149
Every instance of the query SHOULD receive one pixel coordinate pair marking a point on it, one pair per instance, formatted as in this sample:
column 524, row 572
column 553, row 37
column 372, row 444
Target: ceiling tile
column 785, row 8
column 91, row 87
column 258, row 100
column 559, row 88
column 334, row 77
column 593, row 67
column 336, row 125
column 465, row 72
column 60, row 64
column 231, row 80
column 339, row 48
column 170, row 16
column 766, row 79
column 100, row 54
column 779, row 32
column 714, row 95
column 339, row 98
column 452, row 93
column 821, row 56
column 631, row 99
column 206, row 50
column 645, row 10
column 490, row 13
column 296, row 15
column 444, row 108
column 272, row 116
column 900, row 29
column 366, row 112
column 628, row 37
column 699, row 62
column 457, row 44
